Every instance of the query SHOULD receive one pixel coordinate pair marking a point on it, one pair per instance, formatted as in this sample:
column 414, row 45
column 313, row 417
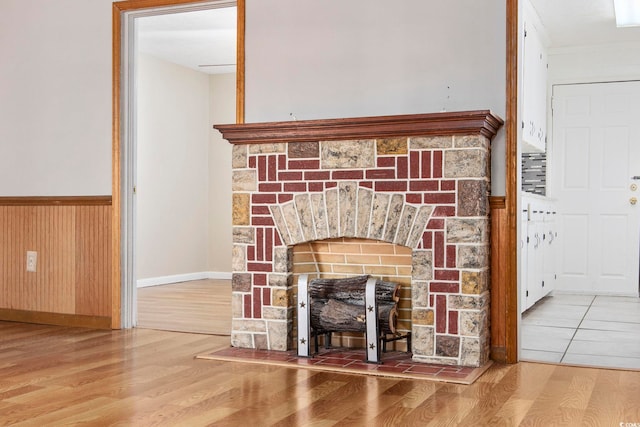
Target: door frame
column 119, row 239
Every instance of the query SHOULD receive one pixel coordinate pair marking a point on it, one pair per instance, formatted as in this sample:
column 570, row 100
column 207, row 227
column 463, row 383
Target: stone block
column 304, row 150
column 241, row 282
column 471, row 352
column 474, row 282
column 278, row 147
column 419, row 294
column 279, row 298
column 319, row 215
column 281, row 280
column 347, row 193
column 447, row 346
column 290, row 215
column 404, row 225
column 260, row 341
column 393, row 217
column 473, row 256
column 244, row 235
column 379, row 215
column 363, row 216
column 422, row 316
column 429, row 142
column 468, row 302
column 274, row 313
column 241, row 213
column 422, row 262
column 422, row 340
column 472, row 323
column 239, row 156
column 333, row 218
column 244, row 180
column 239, row 258
column 237, row 305
column 467, row 230
column 470, row 141
column 473, row 197
column 305, row 215
column 281, row 225
column 347, row 154
column 282, row 259
column 466, row 163
column 241, row 340
column 248, row 325
column 387, row 146
column 278, row 336
column 417, row 230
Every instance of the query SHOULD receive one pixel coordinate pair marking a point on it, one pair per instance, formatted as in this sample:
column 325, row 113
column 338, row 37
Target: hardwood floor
column 52, row 376
column 201, row 306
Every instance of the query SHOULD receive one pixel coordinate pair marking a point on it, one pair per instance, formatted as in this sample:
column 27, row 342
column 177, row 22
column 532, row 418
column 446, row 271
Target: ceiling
column 582, row 23
column 203, row 40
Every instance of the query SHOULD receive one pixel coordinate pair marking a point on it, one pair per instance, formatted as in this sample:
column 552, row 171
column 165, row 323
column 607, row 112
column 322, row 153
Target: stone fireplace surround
column 420, row 181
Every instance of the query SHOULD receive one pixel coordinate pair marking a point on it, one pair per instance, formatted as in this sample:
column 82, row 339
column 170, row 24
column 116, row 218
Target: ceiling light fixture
column 627, row 13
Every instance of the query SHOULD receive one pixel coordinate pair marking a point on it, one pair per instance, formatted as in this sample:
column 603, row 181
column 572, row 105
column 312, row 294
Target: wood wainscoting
column 72, row 282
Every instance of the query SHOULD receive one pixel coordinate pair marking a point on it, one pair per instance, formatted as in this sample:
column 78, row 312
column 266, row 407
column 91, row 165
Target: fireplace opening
column 347, row 257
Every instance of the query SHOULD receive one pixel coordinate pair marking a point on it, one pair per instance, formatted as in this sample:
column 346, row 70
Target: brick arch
column 350, row 210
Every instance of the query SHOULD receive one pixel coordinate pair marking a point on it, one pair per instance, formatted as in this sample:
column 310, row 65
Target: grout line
column 577, row 327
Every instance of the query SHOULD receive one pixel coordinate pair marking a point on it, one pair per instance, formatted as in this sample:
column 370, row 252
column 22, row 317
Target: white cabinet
column 538, row 249
column 534, row 86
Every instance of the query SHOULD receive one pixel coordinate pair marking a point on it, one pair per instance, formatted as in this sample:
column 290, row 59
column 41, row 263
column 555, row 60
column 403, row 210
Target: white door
column 594, row 158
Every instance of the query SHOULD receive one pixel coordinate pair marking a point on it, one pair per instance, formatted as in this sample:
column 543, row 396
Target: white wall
column 222, row 100
column 354, row 58
column 55, row 97
column 172, row 169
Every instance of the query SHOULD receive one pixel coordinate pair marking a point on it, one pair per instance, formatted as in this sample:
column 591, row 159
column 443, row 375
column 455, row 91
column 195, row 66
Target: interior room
column 579, row 225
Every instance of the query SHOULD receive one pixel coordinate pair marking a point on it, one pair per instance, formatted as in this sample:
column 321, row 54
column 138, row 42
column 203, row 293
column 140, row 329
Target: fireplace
column 419, row 182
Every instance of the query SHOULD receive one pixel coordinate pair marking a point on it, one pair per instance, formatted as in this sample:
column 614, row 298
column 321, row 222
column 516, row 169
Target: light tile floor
column 583, row 330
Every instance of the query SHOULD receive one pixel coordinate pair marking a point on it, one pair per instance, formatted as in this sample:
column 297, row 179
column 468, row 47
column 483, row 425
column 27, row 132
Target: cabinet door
column 534, row 91
column 524, row 264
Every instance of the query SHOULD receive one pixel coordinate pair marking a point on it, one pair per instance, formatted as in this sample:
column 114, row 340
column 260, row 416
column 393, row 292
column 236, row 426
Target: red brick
column 414, row 198
column 437, row 164
column 435, row 224
column 252, row 162
column 451, row 256
column 290, row 176
column 347, row 174
column 381, row 174
column 366, row 184
column 385, row 162
column 316, row 186
column 414, row 164
column 444, row 211
column 432, row 299
column 259, row 244
column 276, row 239
column 260, row 280
column 247, row 306
column 447, row 274
column 317, row 176
column 441, row 314
column 423, row 185
column 304, row 164
column 273, row 168
column 447, row 185
column 402, row 168
column 426, row 164
column 266, row 296
column 295, row 187
column 260, row 210
column 330, row 184
column 257, row 303
column 284, row 198
column 260, row 266
column 268, row 244
column 453, row 322
column 427, row 240
column 450, row 288
column 391, row 185
column 272, row 187
column 438, row 250
column 439, row 198
column 251, row 253
column 262, row 168
column 263, row 198
column 282, row 162
column 262, row 220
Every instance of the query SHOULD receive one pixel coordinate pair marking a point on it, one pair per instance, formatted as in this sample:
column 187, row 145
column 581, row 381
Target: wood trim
column 116, row 149
column 498, row 277
column 60, row 319
column 455, row 123
column 56, row 201
column 511, row 190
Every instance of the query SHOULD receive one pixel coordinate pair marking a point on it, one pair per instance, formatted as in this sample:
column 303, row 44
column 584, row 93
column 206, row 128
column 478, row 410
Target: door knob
column 633, row 200
column 633, row 187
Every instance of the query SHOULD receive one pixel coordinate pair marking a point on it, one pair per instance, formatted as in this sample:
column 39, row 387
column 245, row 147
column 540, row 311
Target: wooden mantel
column 448, row 123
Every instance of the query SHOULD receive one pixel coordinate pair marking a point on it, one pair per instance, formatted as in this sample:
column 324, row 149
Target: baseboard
column 60, row 319
column 187, row 277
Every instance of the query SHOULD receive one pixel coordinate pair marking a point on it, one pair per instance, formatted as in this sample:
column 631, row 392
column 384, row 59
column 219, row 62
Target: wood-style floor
column 55, row 376
column 201, row 306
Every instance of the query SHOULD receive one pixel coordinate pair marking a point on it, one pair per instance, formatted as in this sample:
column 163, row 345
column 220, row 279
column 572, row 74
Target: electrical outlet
column 32, row 260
